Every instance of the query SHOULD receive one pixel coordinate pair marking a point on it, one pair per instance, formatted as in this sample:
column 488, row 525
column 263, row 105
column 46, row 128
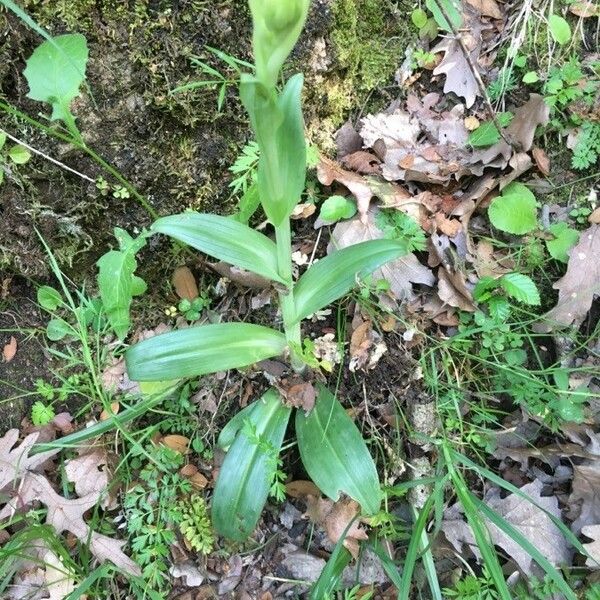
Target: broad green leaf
column 335, row 455
column 515, row 210
column 55, row 71
column 248, row 204
column 228, row 433
column 565, row 238
column 336, row 274
column 1, row 175
column 451, row 8
column 521, row 288
column 19, row 155
column 279, row 127
column 224, row 239
column 559, row 29
column 245, row 475
column 419, row 18
column 49, row 298
column 531, row 77
column 336, row 208
column 117, row 281
column 201, row 350
column 2, row 139
column 57, row 329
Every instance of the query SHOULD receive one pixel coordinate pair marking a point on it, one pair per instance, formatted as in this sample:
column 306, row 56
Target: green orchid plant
column 332, row 450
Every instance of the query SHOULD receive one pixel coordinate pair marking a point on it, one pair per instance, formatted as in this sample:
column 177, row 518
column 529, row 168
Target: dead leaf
column 532, row 522
column 113, row 374
column 453, row 290
column 584, row 501
column 329, row 171
column 593, row 547
column 240, row 276
column 472, row 123
column 400, row 273
column 58, row 580
column 366, row 347
column 189, row 572
column 9, row 350
column 334, row 517
column 114, row 410
column 487, row 8
column 577, row 288
column 347, row 140
column 585, row 9
column 62, row 514
column 303, row 210
column 300, row 488
column 594, row 218
column 179, row 443
column 89, row 473
column 298, row 393
column 185, row 284
column 541, row 160
column 362, row 162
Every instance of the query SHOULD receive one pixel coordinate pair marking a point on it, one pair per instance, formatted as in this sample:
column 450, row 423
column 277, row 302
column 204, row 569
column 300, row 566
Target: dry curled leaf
column 585, row 9
column 532, row 522
column 577, row 288
column 541, row 160
column 335, row 517
column 366, row 347
column 329, row 171
column 185, row 284
column 179, row 443
column 9, row 350
column 89, row 472
column 487, row 8
column 400, row 273
column 301, row 488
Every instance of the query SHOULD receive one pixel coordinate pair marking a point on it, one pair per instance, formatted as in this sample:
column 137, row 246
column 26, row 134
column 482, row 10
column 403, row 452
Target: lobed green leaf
column 224, row 239
column 201, row 350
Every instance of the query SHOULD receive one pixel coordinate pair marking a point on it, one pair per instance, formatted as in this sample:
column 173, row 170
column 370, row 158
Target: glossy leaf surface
column 224, row 239
column 201, row 350
column 245, row 476
column 335, row 454
column 336, row 274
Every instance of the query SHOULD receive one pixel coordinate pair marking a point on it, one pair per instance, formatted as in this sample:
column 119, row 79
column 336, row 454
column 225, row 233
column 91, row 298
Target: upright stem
column 286, row 298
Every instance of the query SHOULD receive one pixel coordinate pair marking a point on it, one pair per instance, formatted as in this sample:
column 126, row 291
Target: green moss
column 368, row 38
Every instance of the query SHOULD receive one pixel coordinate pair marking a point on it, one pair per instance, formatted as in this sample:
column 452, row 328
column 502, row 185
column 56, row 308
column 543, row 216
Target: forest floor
column 471, row 365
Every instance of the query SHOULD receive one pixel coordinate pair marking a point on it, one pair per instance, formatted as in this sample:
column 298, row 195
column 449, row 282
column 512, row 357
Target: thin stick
column 476, row 74
column 48, row 158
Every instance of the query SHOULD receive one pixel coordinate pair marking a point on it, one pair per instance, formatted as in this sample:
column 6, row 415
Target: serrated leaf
column 565, row 238
column 451, row 8
column 515, row 210
column 201, row 350
column 336, row 208
column 521, row 288
column 19, row 155
column 560, row 30
column 487, row 134
column 499, row 308
column 49, row 298
column 335, row 275
column 56, row 70
column 117, row 281
column 245, row 475
column 224, row 239
column 335, row 454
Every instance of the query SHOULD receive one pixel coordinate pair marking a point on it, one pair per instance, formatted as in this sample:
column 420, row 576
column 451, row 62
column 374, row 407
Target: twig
column 48, row 158
column 476, row 74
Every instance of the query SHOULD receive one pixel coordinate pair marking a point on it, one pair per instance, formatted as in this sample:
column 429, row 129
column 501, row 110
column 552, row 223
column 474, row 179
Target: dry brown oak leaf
column 64, row 515
column 576, row 290
column 532, row 522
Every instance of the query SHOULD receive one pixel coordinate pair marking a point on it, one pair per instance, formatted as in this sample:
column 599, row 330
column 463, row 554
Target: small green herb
column 41, row 414
column 397, row 225
column 515, row 211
